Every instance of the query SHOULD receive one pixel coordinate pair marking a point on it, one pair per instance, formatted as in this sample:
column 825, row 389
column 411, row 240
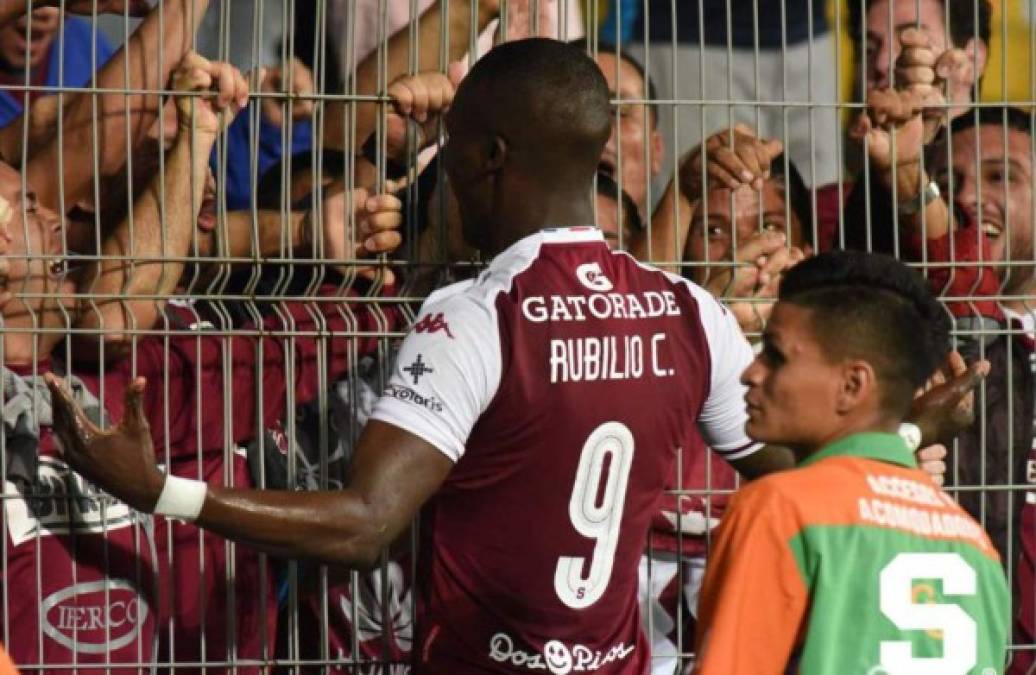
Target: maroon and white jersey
column 562, row 382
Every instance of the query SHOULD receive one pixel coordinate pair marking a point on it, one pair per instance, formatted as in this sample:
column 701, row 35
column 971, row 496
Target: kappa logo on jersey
column 61, row 502
column 557, row 657
column 94, row 617
column 433, row 323
column 591, row 276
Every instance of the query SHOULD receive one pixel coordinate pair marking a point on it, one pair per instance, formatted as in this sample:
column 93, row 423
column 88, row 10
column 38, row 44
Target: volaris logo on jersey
column 591, row 276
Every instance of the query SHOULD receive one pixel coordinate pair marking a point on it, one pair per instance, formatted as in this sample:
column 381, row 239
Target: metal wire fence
column 266, row 327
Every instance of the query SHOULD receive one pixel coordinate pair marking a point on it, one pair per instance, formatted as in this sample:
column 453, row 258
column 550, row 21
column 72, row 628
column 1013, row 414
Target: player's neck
column 555, row 210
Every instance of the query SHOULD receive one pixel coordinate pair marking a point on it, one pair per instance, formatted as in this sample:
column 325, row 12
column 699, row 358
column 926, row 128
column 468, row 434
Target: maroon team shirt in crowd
column 686, row 515
column 226, row 609
column 79, row 584
column 80, row 565
column 561, row 382
column 1023, row 661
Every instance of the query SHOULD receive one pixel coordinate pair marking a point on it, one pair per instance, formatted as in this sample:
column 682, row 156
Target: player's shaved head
column 873, row 308
column 546, row 98
column 527, row 127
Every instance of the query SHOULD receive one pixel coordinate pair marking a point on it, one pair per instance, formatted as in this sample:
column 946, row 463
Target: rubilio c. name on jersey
column 611, row 357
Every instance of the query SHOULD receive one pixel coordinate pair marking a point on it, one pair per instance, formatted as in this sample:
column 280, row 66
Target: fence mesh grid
column 234, row 272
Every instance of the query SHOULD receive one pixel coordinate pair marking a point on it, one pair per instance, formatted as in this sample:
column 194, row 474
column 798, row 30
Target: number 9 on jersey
column 596, row 513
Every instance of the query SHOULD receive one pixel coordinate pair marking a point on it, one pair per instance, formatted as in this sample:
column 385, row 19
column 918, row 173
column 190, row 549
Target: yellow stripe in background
column 1021, row 20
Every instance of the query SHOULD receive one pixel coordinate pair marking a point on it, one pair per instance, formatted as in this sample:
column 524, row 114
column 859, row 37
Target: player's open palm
column 120, row 460
column 223, row 89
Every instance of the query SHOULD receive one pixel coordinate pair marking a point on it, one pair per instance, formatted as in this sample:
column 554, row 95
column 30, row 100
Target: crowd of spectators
column 252, row 243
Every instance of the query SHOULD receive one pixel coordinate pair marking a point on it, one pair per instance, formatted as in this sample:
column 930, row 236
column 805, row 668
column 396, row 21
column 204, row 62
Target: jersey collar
column 880, row 446
column 559, row 235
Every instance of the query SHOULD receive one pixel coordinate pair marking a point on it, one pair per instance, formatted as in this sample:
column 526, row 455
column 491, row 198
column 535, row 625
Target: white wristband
column 181, row 498
column 911, row 435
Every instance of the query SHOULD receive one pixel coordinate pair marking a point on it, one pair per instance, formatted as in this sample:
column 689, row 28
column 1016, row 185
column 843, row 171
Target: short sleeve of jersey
column 446, row 373
column 723, row 416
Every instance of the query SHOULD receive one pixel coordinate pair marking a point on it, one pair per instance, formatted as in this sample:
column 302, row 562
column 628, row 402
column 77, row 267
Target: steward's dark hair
column 875, row 308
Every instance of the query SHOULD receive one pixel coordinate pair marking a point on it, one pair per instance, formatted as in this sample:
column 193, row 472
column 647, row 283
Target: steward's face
column 792, row 385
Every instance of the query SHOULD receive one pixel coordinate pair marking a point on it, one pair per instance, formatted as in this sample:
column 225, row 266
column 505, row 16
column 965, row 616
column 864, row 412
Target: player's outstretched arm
column 392, row 475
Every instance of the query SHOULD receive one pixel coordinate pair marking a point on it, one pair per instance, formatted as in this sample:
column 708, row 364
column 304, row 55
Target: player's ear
column 857, row 385
column 497, row 154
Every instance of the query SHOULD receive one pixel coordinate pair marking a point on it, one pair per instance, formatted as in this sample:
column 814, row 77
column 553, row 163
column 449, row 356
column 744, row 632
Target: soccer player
column 525, row 413
column 854, row 562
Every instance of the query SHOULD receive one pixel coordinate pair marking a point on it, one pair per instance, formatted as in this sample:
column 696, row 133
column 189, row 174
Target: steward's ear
column 497, row 154
column 858, row 384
